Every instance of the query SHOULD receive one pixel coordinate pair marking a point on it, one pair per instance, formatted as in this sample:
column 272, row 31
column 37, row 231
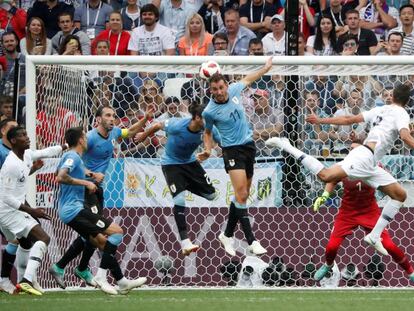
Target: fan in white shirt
column 17, row 219
column 387, row 123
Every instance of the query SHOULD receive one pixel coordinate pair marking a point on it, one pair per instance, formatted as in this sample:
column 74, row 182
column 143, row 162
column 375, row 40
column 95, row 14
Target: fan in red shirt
column 358, row 208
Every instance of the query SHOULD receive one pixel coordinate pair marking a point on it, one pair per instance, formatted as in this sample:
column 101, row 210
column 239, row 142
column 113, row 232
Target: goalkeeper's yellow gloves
column 320, row 201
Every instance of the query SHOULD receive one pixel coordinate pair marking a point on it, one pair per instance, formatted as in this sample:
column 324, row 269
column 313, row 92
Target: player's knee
column 242, row 195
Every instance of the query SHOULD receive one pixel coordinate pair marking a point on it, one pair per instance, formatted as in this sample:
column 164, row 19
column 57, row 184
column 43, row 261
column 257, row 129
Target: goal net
column 66, row 91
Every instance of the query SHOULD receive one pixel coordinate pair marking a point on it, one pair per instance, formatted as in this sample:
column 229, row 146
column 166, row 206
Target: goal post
column 64, row 91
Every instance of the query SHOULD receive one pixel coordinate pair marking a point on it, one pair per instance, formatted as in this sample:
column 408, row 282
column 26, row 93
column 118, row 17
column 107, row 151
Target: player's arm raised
column 250, row 78
column 208, row 145
column 48, row 152
column 64, row 178
column 155, row 127
column 340, row 120
column 406, row 137
column 135, row 128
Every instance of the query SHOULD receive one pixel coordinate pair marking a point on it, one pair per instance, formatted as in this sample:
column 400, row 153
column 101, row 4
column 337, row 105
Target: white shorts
column 360, row 164
column 16, row 225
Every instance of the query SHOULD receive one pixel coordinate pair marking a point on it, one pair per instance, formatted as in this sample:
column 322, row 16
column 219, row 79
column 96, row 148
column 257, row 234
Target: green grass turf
column 222, row 300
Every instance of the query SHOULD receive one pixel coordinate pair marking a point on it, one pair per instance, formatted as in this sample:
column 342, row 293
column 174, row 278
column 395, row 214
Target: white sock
column 101, row 273
column 312, row 164
column 37, row 252
column 22, row 257
column 307, row 161
column 389, row 211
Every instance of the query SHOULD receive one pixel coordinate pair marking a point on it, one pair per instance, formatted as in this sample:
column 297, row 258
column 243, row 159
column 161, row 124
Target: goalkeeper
column 358, row 208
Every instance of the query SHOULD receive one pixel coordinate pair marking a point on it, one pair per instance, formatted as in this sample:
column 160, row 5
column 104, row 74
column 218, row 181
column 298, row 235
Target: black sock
column 232, row 221
column 245, row 224
column 7, row 263
column 110, row 262
column 179, row 216
column 72, row 252
column 86, row 256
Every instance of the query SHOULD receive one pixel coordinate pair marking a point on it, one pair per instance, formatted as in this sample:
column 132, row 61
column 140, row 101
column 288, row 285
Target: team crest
column 173, row 189
column 100, row 224
column 94, row 209
column 232, row 162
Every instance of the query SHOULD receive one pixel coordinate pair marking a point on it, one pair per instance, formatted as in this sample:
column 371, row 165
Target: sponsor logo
column 235, row 100
column 173, row 189
column 94, row 209
column 68, row 162
column 22, row 179
column 232, row 162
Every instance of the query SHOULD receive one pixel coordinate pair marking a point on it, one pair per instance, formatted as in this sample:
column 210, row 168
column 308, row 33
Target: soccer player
column 225, row 111
column 92, row 227
column 181, row 169
column 358, row 208
column 387, row 122
column 96, row 158
column 17, row 218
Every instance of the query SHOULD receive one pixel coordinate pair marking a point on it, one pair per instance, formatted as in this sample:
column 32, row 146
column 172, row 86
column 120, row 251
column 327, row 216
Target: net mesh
column 137, row 198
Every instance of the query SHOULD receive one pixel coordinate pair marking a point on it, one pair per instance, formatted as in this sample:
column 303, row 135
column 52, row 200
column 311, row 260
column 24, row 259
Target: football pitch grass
column 221, row 300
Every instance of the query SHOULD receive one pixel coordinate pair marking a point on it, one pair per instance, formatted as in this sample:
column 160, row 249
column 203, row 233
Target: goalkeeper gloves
column 320, row 201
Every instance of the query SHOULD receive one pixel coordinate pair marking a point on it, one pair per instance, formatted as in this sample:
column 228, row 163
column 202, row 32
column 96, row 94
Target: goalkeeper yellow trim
column 124, row 133
column 326, row 194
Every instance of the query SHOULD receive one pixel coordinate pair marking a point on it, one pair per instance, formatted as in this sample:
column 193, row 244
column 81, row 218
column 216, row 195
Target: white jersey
column 14, row 174
column 386, row 123
column 153, row 42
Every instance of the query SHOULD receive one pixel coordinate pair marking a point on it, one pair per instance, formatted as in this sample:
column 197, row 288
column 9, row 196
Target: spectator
column 220, row 44
column 337, row 12
column 366, row 38
column 102, row 47
column 324, row 42
column 10, row 42
column 151, row 38
column 301, row 45
column 49, row 11
column 324, row 86
column 239, row 36
column 174, row 15
column 314, row 136
column 67, row 27
column 386, row 97
column 212, row 12
column 378, row 17
column 150, row 96
column 306, row 18
column 266, row 120
column 118, row 38
column 36, row 42
column 131, row 16
column 342, row 135
column 274, row 43
column 196, row 40
column 13, row 19
column 392, row 46
column 6, row 107
column 256, row 47
column 256, row 14
column 92, row 17
column 70, row 46
column 350, row 45
column 407, row 21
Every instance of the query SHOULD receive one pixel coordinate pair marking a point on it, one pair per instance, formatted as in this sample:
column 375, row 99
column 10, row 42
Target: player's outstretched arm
column 329, row 187
column 155, row 127
column 135, row 128
column 64, row 178
column 208, row 145
column 250, row 78
column 406, row 137
column 340, row 120
column 48, row 152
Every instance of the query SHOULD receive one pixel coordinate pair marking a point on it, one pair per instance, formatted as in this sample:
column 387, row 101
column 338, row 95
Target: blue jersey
column 229, row 118
column 100, row 149
column 4, row 152
column 181, row 142
column 71, row 197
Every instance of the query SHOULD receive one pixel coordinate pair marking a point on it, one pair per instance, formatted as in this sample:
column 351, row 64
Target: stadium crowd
column 210, row 27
